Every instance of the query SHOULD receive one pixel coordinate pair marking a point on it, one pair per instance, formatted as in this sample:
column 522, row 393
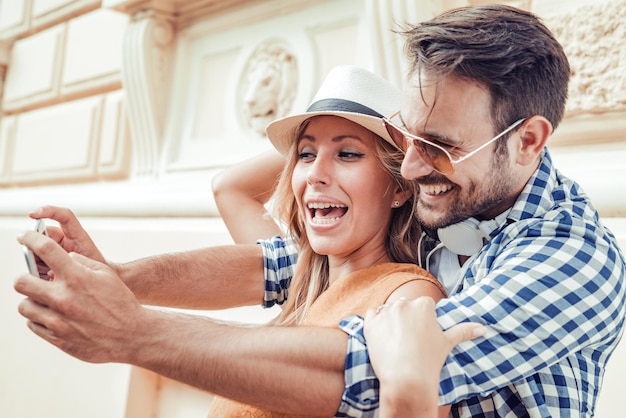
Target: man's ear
column 533, row 135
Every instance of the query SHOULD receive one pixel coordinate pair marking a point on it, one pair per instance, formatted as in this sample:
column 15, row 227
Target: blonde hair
column 311, row 273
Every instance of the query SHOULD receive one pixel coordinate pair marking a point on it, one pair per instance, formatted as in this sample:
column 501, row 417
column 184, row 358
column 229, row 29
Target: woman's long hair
column 311, row 273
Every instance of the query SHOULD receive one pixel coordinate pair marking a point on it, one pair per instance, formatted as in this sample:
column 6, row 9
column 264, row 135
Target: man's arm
column 295, row 370
column 546, row 300
column 88, row 312
column 209, row 278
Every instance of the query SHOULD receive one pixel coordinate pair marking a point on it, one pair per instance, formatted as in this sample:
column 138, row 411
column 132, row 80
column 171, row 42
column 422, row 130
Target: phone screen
column 36, row 266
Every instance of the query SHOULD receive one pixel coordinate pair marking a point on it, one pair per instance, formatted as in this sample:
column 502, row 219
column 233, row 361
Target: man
column 487, row 87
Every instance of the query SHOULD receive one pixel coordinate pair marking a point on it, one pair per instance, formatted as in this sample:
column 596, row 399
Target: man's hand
column 70, row 236
column 408, row 348
column 85, row 310
column 409, row 330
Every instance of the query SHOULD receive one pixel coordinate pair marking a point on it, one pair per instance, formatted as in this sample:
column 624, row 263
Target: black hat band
column 341, row 105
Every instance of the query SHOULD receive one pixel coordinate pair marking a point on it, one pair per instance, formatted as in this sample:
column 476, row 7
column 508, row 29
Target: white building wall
column 123, row 110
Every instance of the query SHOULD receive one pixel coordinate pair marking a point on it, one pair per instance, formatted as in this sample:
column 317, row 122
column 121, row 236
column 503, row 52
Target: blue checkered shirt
column 550, row 287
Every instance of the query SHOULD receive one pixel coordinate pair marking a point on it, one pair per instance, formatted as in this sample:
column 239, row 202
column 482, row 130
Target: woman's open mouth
column 326, row 213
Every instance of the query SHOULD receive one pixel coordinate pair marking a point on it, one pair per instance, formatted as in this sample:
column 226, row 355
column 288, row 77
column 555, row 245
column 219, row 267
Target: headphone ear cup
column 463, row 238
column 466, row 237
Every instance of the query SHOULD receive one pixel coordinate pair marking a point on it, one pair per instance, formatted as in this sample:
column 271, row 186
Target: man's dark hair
column 507, row 50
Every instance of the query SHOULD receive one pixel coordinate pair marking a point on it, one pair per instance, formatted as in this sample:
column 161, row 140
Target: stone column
column 386, row 17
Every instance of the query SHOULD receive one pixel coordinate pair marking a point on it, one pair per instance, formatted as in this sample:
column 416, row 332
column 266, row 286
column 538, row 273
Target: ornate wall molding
column 146, row 77
column 269, row 85
column 35, row 16
column 45, row 14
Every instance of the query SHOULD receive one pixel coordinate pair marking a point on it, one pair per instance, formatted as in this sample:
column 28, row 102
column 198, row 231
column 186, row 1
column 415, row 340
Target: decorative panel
column 33, row 73
column 220, row 105
column 93, row 56
column 24, row 17
column 325, row 37
column 14, row 17
column 78, row 141
column 43, row 7
column 58, row 143
column 211, row 113
column 115, row 153
column 49, row 12
column 7, row 124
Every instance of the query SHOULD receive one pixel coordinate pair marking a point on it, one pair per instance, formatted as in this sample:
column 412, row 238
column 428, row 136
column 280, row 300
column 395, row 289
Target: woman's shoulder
column 401, row 268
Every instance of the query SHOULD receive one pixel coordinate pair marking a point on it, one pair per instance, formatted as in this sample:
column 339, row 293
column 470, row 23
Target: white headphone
column 467, row 237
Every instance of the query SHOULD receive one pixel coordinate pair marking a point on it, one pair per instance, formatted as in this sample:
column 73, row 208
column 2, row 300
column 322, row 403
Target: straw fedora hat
column 347, row 91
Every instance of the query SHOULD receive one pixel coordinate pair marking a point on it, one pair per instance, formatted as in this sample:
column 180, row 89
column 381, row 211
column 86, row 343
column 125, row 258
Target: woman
column 344, row 202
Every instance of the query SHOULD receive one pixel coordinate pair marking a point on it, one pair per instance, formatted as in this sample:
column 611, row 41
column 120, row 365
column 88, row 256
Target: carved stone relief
column 147, row 61
column 268, row 85
column 593, row 39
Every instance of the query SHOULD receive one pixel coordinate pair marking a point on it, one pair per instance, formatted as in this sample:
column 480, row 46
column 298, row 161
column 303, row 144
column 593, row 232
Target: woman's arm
column 241, row 192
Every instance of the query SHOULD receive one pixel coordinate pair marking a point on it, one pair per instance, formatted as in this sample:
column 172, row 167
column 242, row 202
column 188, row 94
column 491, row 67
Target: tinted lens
column 435, row 156
column 396, row 135
column 438, row 158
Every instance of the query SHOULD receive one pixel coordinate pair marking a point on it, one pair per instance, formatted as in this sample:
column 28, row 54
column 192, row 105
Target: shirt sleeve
column 279, row 257
column 544, row 294
column 361, row 395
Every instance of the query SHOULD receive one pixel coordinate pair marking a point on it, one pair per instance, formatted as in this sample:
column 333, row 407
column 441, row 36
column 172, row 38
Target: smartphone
column 34, row 263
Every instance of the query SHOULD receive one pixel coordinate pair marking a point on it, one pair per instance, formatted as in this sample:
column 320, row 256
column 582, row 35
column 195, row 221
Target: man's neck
column 463, row 259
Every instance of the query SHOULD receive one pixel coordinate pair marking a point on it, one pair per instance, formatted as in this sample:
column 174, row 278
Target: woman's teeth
column 326, row 213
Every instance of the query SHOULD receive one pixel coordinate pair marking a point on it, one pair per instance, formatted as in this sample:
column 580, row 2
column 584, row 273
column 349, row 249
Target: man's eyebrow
column 441, row 138
column 432, row 136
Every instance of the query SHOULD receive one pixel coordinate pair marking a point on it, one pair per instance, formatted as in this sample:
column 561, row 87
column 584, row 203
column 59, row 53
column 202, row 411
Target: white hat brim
column 282, row 132
column 349, row 92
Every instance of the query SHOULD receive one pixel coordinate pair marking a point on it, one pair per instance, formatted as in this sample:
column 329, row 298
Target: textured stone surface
column 593, row 38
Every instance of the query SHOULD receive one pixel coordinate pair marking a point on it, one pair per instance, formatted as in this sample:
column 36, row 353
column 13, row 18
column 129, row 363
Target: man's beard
column 476, row 199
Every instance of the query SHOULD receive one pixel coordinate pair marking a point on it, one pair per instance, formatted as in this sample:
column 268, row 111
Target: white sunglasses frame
column 409, row 138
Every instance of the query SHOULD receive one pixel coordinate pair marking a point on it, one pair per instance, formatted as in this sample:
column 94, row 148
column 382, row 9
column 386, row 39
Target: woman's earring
column 396, row 203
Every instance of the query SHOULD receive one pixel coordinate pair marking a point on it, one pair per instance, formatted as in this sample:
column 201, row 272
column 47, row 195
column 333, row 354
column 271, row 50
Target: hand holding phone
column 36, row 266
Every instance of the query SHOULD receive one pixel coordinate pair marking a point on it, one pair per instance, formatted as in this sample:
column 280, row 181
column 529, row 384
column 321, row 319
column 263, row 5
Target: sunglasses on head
column 434, row 154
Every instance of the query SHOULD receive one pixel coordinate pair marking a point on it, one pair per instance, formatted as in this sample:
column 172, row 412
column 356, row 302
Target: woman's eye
column 306, row 156
column 350, row 155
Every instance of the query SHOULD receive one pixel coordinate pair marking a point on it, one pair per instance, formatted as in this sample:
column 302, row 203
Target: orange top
column 353, row 294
